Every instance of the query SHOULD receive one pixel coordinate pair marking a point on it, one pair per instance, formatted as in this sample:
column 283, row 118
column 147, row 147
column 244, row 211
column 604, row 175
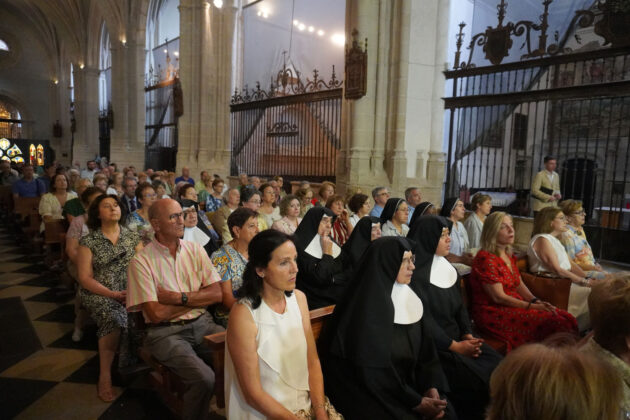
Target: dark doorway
column 577, row 181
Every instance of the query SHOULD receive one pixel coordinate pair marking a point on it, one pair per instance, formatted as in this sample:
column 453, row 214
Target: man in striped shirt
column 172, row 281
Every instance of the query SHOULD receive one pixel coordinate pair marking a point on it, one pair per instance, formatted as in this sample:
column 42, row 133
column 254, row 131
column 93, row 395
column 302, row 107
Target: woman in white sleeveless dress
column 271, row 365
column 546, row 254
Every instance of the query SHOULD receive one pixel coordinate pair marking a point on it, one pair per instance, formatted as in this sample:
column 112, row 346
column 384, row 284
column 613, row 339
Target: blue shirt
column 181, row 178
column 24, row 188
column 411, row 209
column 376, row 211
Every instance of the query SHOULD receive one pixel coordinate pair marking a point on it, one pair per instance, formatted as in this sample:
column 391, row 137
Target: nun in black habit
column 200, row 232
column 423, row 209
column 382, row 363
column 466, row 360
column 320, row 259
column 367, row 229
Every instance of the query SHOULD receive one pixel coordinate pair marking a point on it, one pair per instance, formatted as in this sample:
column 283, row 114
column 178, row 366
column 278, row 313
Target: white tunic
column 578, row 295
column 282, row 362
column 474, row 227
column 459, row 239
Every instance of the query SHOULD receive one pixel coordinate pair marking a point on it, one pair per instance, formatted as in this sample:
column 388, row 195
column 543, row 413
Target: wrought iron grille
column 292, row 129
column 10, row 128
column 161, row 126
column 503, row 119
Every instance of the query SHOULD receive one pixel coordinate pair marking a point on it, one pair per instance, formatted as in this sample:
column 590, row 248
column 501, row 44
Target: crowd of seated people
column 200, row 258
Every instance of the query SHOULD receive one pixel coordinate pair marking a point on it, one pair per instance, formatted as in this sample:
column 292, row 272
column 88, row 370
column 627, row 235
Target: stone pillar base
column 127, row 156
column 434, row 182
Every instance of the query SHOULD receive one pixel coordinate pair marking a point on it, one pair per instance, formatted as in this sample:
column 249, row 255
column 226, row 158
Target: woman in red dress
column 502, row 305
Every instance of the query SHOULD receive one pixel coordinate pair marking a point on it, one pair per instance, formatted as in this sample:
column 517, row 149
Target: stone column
column 360, row 160
column 86, row 145
column 393, row 135
column 205, row 61
column 127, row 136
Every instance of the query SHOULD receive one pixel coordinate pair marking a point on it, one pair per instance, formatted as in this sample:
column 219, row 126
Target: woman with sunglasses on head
column 501, row 304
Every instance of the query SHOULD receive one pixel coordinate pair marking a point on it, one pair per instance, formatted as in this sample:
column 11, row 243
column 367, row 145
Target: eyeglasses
column 579, row 213
column 173, row 217
column 254, row 201
column 150, row 195
column 410, row 260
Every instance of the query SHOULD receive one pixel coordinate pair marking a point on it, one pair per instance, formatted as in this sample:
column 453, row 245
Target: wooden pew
column 6, row 199
column 217, row 344
column 554, row 290
column 26, row 210
column 55, row 234
column 171, row 388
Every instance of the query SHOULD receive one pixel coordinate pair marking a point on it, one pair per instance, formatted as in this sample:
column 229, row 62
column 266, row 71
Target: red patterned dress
column 515, row 326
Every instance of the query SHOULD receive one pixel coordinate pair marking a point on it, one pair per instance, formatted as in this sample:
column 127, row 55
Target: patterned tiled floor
column 43, row 373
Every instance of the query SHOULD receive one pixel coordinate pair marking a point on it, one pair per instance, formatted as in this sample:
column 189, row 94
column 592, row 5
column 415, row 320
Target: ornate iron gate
column 293, row 129
column 161, row 125
column 504, row 118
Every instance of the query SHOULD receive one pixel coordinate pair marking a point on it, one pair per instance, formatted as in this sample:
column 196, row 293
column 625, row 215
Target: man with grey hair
column 413, row 198
column 256, row 182
column 380, row 196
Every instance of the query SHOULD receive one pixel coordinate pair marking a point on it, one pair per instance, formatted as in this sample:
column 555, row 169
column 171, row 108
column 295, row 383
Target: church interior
column 448, row 104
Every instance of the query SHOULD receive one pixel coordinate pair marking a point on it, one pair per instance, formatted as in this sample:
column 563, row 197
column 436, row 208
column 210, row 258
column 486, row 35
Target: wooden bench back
column 217, row 344
column 6, row 198
column 554, row 290
column 24, row 206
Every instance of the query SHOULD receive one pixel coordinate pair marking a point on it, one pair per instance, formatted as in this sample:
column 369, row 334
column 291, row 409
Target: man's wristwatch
column 184, row 298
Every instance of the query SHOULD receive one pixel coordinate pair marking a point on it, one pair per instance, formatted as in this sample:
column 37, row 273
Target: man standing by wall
column 546, row 186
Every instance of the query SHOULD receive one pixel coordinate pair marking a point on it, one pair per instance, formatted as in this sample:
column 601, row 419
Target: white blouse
column 389, row 229
column 578, row 295
column 282, row 362
column 473, row 226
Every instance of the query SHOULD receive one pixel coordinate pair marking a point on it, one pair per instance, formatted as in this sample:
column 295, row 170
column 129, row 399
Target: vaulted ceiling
column 69, row 29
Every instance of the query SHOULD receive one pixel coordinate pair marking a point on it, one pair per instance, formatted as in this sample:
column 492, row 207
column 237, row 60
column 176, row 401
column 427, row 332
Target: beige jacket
column 539, row 198
column 219, row 223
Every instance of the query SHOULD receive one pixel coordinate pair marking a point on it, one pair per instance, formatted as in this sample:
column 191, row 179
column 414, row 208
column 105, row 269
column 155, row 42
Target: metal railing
column 503, row 119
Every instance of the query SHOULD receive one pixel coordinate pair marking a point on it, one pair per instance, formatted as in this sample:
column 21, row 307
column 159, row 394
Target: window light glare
column 218, row 3
column 3, row 46
column 338, row 39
